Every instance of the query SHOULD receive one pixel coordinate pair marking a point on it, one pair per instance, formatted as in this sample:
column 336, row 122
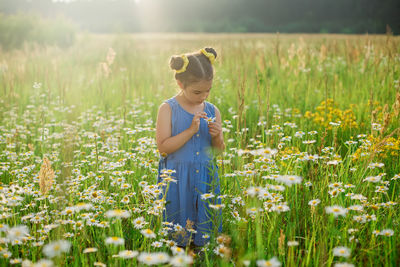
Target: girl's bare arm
column 216, row 132
column 167, row 143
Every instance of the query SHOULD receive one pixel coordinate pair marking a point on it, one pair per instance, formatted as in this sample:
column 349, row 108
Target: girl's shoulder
column 170, row 102
column 210, row 107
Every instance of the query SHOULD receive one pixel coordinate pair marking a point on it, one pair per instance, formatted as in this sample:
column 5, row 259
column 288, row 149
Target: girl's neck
column 189, row 106
column 184, row 101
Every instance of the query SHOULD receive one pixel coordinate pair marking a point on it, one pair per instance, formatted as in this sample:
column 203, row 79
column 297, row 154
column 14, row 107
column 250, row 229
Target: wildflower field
column 310, row 175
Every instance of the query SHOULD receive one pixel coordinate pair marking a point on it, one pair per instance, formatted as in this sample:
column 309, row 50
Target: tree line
column 306, row 16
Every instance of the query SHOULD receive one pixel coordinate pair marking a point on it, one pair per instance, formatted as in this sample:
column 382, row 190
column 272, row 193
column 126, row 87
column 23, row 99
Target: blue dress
column 195, row 174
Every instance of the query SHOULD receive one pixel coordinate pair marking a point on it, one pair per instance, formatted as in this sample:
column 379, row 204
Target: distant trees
column 340, row 16
column 17, row 29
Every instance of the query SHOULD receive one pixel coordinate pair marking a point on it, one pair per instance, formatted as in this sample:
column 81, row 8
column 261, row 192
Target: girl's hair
column 198, row 69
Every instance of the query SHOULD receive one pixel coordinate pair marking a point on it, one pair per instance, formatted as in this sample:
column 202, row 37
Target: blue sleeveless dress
column 195, row 174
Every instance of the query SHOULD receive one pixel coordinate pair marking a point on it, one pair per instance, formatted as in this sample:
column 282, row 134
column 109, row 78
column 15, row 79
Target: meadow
column 309, row 177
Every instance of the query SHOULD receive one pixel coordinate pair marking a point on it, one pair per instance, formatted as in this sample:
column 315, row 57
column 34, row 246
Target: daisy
column 147, row 258
column 161, row 257
column 139, row 223
column 358, row 197
column 114, row 240
column 177, row 250
column 273, row 262
column 4, row 227
column 397, row 176
column 375, row 165
column 55, row 248
column 83, row 206
column 148, row 233
column 157, row 244
column 280, row 208
column 314, row 202
column 68, row 211
column 217, row 206
column 335, row 185
column 289, row 179
column 343, row 264
column 335, row 192
column 222, row 251
column 387, row 232
column 181, row 260
column 169, row 179
column 336, row 210
column 207, row 196
column 18, row 232
column 41, row 263
column 6, row 254
column 308, row 184
column 128, row 254
column 333, row 162
column 211, row 119
column 246, row 262
column 341, row 252
column 89, row 250
column 373, row 179
column 356, row 208
column 118, row 213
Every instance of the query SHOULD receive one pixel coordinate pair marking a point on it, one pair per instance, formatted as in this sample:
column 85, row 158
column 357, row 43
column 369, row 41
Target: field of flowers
column 310, row 175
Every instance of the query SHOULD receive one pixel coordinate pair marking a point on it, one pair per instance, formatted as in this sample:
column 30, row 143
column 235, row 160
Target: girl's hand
column 194, row 127
column 215, row 129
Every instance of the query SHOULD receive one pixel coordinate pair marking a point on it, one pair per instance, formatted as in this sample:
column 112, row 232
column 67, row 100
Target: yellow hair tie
column 185, row 64
column 210, row 56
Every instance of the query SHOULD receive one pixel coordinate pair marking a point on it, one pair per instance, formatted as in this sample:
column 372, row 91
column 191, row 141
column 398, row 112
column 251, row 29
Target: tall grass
column 94, row 119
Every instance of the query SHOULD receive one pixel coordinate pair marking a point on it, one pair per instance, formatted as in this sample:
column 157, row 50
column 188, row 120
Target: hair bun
column 176, row 62
column 211, row 50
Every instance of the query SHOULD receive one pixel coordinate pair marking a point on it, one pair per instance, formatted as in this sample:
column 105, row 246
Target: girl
column 185, row 134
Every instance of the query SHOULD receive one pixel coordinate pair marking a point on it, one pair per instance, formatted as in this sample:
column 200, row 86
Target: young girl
column 185, row 135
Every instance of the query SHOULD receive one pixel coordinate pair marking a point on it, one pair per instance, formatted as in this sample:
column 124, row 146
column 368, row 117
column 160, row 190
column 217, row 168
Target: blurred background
column 57, row 21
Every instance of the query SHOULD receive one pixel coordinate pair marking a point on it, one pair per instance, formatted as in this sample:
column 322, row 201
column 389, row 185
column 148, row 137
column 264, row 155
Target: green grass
column 267, row 87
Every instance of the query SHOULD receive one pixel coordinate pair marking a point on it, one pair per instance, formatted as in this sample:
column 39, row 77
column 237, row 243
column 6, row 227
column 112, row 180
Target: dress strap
column 211, row 108
column 172, row 102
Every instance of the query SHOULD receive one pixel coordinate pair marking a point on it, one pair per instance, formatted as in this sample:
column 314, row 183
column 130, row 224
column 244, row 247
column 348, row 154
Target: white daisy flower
column 128, row 254
column 18, row 232
column 43, row 263
column 118, row 213
column 55, row 248
column 343, row 264
column 289, row 179
column 139, row 223
column 157, row 244
column 387, row 232
column 280, row 208
column 373, row 179
column 89, row 250
column 341, row 251
column 147, row 258
column 292, row 243
column 148, row 233
column 207, row 196
column 336, row 210
column 273, row 262
column 114, row 240
column 181, row 260
column 314, row 202
column 177, row 250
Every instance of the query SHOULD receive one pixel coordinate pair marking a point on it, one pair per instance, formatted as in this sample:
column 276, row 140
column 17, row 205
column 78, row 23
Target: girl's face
column 197, row 93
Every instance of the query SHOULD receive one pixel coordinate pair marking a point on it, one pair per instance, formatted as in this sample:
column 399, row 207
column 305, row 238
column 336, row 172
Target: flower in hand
column 214, row 128
column 212, row 119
